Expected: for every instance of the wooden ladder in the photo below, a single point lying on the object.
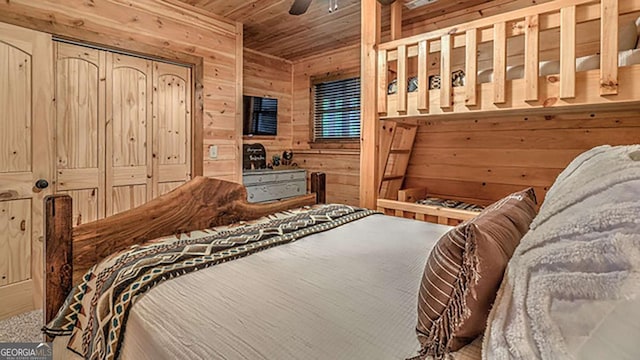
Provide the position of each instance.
(396, 143)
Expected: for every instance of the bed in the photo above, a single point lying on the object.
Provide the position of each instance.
(416, 203)
(578, 54)
(346, 293)
(347, 285)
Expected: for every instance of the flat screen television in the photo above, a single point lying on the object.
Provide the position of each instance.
(260, 116)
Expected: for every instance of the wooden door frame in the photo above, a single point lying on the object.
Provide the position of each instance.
(144, 50)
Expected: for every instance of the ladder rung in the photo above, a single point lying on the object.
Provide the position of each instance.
(400, 151)
(394, 177)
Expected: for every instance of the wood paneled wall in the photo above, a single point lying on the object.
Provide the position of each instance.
(167, 29)
(342, 166)
(482, 160)
(269, 76)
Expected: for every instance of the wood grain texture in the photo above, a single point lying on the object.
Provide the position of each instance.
(531, 55)
(318, 187)
(15, 241)
(586, 98)
(58, 252)
(609, 47)
(402, 79)
(86, 206)
(26, 155)
(369, 127)
(199, 204)
(339, 161)
(423, 78)
(499, 63)
(480, 160)
(341, 169)
(15, 98)
(171, 132)
(445, 72)
(168, 30)
(568, 52)
(271, 77)
(270, 29)
(471, 68)
(383, 82)
(434, 214)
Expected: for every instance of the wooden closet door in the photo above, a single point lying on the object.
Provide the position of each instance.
(171, 126)
(26, 156)
(129, 168)
(80, 129)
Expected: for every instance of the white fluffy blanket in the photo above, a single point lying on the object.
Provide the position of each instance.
(571, 290)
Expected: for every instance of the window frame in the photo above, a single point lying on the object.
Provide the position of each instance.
(348, 143)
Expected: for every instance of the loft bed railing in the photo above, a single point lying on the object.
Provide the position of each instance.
(443, 51)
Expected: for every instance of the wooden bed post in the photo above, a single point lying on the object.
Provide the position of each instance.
(318, 186)
(58, 218)
(370, 36)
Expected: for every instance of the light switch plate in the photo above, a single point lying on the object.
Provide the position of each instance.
(213, 151)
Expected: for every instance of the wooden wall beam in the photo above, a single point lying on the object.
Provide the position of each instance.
(239, 92)
(568, 52)
(369, 127)
(396, 20)
(609, 47)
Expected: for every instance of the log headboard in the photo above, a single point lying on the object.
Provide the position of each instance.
(199, 204)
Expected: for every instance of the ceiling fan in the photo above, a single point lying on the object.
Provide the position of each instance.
(299, 7)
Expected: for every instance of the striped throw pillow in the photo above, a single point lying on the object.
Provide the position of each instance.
(464, 271)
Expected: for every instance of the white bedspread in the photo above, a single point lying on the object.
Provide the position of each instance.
(348, 293)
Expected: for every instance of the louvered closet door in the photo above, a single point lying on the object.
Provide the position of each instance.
(26, 155)
(129, 169)
(80, 129)
(172, 126)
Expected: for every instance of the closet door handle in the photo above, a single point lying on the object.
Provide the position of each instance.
(42, 184)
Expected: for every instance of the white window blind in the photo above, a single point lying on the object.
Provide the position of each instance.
(336, 110)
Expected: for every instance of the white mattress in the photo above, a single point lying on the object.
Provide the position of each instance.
(348, 293)
(585, 63)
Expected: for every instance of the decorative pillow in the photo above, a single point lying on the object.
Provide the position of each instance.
(572, 287)
(464, 271)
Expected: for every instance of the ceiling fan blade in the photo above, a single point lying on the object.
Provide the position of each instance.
(299, 7)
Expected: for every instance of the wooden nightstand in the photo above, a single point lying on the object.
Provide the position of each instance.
(270, 185)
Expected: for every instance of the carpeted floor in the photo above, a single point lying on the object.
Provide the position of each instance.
(22, 328)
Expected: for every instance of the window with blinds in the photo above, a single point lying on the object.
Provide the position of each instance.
(336, 110)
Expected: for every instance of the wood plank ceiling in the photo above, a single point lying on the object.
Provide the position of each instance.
(270, 29)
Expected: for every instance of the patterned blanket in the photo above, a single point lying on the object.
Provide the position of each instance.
(96, 311)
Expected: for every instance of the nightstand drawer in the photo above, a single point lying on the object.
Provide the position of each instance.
(261, 177)
(276, 191)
